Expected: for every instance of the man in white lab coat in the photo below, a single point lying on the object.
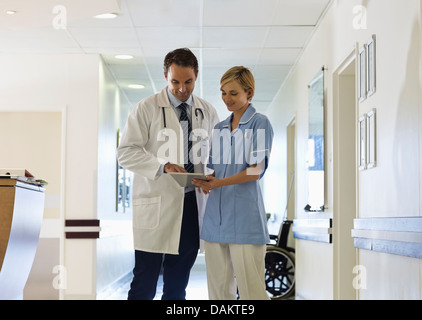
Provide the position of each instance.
(159, 132)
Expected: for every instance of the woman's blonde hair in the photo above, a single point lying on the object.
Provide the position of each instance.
(242, 75)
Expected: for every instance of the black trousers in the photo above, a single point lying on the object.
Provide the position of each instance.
(176, 268)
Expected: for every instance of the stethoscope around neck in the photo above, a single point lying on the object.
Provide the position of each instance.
(197, 110)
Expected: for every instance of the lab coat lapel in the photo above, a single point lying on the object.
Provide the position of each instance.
(173, 125)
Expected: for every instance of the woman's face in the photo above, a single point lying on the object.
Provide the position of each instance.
(235, 97)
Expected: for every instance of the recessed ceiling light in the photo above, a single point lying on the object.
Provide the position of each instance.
(136, 86)
(10, 12)
(106, 16)
(123, 56)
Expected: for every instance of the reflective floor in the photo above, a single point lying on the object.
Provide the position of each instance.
(196, 290)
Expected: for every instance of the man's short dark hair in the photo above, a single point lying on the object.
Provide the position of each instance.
(182, 57)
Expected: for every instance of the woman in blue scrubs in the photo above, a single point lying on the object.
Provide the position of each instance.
(235, 230)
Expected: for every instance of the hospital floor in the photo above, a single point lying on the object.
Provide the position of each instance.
(196, 290)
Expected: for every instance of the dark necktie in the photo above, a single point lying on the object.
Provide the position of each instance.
(187, 128)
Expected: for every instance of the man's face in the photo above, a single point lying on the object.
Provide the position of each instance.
(181, 81)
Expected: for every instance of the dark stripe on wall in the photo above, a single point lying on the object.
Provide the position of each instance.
(82, 223)
(82, 229)
(82, 235)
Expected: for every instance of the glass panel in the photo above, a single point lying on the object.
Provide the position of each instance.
(315, 160)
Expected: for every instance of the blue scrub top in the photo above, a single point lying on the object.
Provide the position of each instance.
(236, 213)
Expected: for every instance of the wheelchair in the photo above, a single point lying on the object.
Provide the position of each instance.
(280, 265)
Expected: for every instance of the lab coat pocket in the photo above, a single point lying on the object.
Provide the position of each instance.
(146, 212)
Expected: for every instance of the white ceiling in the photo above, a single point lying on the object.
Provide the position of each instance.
(267, 36)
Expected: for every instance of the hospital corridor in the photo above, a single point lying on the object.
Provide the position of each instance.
(274, 144)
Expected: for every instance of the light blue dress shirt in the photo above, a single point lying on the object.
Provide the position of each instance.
(175, 104)
(236, 213)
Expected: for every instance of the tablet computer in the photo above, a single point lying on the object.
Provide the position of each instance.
(184, 179)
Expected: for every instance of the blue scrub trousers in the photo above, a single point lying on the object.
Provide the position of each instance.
(176, 268)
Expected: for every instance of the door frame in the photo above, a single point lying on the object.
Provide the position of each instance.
(291, 169)
(345, 193)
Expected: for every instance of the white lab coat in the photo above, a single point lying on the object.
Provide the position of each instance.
(145, 144)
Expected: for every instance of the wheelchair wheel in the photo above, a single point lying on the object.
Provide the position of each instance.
(279, 273)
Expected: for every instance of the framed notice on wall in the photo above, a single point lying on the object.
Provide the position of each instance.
(371, 139)
(362, 142)
(371, 66)
(362, 74)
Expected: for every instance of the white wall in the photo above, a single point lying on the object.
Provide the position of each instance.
(69, 84)
(77, 86)
(391, 189)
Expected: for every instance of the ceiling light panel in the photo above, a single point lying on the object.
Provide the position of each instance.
(123, 57)
(106, 16)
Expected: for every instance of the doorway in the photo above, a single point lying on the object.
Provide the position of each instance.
(344, 177)
(33, 140)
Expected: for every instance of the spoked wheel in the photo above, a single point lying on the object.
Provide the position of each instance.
(279, 273)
